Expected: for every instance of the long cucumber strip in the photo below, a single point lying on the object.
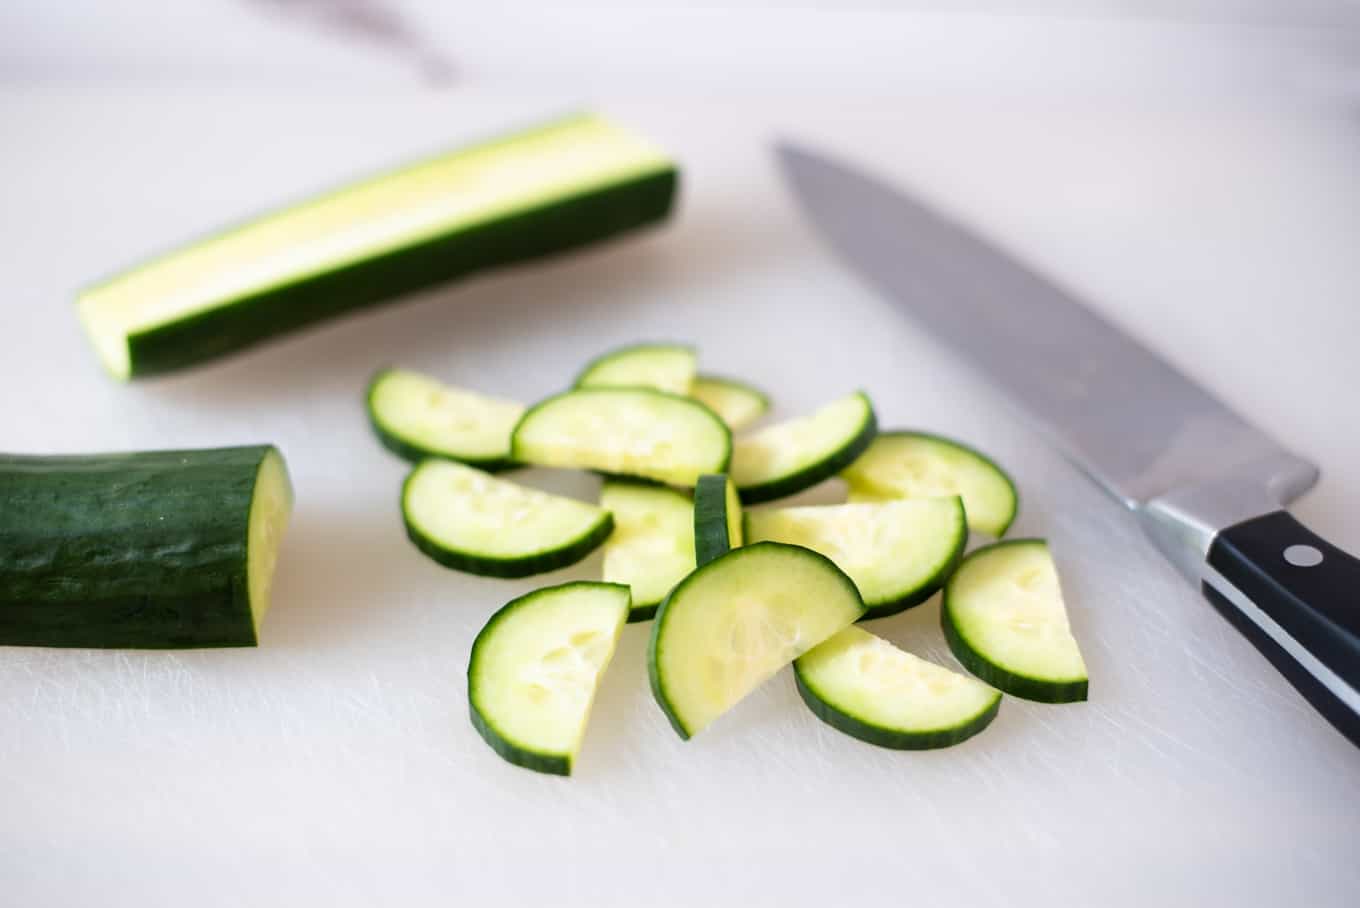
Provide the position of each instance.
(1004, 618)
(652, 547)
(148, 550)
(416, 417)
(917, 465)
(717, 518)
(791, 456)
(737, 403)
(539, 191)
(663, 367)
(733, 623)
(535, 667)
(866, 687)
(898, 552)
(467, 520)
(626, 431)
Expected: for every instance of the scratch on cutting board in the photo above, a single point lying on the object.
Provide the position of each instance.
(374, 23)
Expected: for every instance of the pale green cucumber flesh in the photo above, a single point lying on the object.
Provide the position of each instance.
(652, 546)
(416, 417)
(662, 367)
(736, 403)
(788, 457)
(535, 667)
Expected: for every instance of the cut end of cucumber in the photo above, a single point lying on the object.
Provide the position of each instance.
(736, 403)
(107, 336)
(662, 367)
(468, 520)
(917, 465)
(791, 456)
(652, 546)
(270, 506)
(535, 667)
(897, 552)
(1005, 620)
(416, 417)
(734, 622)
(718, 524)
(625, 431)
(866, 687)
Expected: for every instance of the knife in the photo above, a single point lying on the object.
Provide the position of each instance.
(1208, 488)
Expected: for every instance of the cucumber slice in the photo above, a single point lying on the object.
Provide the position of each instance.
(866, 687)
(467, 520)
(736, 403)
(626, 431)
(917, 465)
(734, 622)
(898, 552)
(1004, 618)
(791, 456)
(416, 417)
(517, 198)
(652, 547)
(662, 367)
(717, 518)
(535, 667)
(145, 550)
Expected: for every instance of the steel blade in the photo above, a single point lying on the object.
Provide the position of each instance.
(1128, 418)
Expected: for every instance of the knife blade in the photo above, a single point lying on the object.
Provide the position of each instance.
(1207, 486)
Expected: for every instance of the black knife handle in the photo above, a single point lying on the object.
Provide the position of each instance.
(1296, 597)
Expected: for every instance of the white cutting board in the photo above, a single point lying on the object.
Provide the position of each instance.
(336, 765)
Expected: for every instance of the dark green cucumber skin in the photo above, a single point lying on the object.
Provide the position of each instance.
(1027, 688)
(507, 568)
(953, 442)
(619, 351)
(815, 473)
(710, 518)
(893, 738)
(140, 550)
(414, 453)
(552, 764)
(645, 612)
(531, 234)
(653, 647)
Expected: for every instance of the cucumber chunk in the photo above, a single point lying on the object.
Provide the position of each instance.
(1004, 618)
(662, 367)
(626, 431)
(737, 403)
(717, 518)
(416, 417)
(917, 465)
(897, 552)
(467, 520)
(791, 456)
(652, 546)
(516, 198)
(866, 687)
(734, 622)
(535, 667)
(140, 550)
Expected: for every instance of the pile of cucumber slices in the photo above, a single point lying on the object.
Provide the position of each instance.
(735, 595)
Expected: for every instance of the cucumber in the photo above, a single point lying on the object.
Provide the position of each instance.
(535, 667)
(898, 552)
(917, 465)
(866, 687)
(736, 403)
(652, 547)
(737, 620)
(468, 520)
(717, 518)
(149, 550)
(625, 431)
(663, 367)
(416, 417)
(540, 191)
(791, 456)
(1004, 618)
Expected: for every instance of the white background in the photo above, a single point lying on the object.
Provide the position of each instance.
(1191, 169)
